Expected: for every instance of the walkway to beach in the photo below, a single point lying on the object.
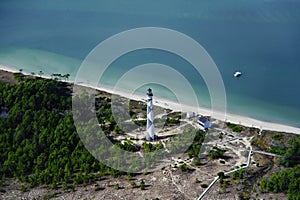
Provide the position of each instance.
(231, 171)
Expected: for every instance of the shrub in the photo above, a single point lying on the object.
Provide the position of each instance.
(217, 153)
(133, 185)
(142, 184)
(116, 186)
(234, 127)
(183, 167)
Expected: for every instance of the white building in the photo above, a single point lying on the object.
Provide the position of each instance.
(203, 123)
(190, 115)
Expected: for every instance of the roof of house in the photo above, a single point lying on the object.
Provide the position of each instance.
(203, 119)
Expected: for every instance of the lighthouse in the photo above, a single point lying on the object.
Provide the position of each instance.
(150, 134)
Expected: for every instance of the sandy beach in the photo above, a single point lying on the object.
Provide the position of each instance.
(175, 106)
(228, 117)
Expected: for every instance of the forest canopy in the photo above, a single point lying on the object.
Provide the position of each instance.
(38, 140)
(39, 143)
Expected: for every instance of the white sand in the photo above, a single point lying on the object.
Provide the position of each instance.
(228, 117)
(9, 69)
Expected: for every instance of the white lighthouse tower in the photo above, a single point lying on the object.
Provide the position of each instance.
(150, 135)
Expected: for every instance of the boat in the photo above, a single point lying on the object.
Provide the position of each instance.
(237, 74)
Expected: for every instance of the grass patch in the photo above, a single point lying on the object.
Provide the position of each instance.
(234, 127)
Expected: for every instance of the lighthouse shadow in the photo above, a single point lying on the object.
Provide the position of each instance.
(161, 137)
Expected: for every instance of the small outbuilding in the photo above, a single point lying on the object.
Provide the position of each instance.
(190, 115)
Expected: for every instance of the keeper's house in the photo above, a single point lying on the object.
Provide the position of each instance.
(203, 123)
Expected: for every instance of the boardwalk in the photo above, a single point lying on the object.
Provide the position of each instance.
(234, 137)
(226, 173)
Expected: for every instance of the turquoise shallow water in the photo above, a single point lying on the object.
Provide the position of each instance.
(260, 38)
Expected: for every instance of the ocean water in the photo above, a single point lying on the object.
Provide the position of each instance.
(259, 37)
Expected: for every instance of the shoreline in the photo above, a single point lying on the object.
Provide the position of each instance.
(175, 106)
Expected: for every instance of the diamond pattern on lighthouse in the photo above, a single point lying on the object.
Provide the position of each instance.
(150, 134)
